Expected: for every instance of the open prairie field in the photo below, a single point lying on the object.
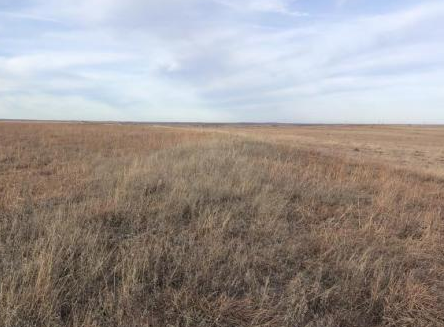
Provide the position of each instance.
(419, 148)
(143, 225)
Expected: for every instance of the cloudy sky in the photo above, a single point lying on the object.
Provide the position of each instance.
(327, 61)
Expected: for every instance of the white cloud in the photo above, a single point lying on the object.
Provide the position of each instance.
(342, 2)
(44, 106)
(200, 60)
(270, 6)
(27, 17)
(47, 62)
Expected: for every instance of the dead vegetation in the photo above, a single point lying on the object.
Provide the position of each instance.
(418, 148)
(149, 226)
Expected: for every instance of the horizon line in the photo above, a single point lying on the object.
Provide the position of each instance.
(130, 122)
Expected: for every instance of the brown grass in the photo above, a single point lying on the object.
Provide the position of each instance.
(108, 225)
(417, 148)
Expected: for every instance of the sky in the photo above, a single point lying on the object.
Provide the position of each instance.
(290, 61)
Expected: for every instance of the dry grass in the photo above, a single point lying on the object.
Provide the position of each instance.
(149, 226)
(417, 148)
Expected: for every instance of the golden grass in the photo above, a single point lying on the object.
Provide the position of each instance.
(417, 148)
(109, 225)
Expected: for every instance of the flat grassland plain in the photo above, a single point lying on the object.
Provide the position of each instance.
(142, 225)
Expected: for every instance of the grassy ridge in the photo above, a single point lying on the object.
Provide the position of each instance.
(137, 226)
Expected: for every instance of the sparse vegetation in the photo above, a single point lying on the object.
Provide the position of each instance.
(111, 225)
